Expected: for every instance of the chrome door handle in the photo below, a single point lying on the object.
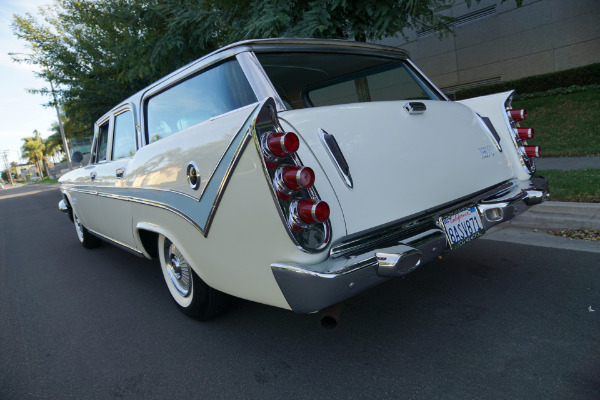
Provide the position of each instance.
(120, 172)
(93, 175)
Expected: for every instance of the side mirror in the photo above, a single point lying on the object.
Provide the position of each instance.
(77, 157)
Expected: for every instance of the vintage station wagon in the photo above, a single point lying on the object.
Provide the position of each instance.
(298, 173)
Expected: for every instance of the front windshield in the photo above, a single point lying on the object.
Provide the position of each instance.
(320, 79)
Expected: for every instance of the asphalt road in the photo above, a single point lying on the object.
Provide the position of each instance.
(493, 320)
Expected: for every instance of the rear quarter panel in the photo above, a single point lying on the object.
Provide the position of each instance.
(235, 251)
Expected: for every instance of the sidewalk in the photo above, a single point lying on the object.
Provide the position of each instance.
(530, 227)
(560, 215)
(557, 214)
(567, 163)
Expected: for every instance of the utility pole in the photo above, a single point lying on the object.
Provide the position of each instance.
(60, 125)
(8, 171)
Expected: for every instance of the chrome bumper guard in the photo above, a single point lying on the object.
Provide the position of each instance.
(361, 262)
(62, 206)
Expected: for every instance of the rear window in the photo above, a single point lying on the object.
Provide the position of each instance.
(213, 92)
(313, 80)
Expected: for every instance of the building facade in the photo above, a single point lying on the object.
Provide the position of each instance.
(495, 41)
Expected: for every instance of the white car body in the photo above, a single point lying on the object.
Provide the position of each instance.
(393, 171)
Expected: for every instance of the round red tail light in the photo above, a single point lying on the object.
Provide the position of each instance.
(533, 151)
(518, 115)
(280, 144)
(312, 211)
(297, 178)
(525, 133)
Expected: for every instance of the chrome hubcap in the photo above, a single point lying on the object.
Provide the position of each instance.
(178, 269)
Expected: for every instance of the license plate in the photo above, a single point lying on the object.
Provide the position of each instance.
(462, 226)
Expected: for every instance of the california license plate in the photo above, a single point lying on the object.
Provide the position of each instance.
(462, 226)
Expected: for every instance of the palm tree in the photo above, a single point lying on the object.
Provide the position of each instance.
(33, 149)
(53, 146)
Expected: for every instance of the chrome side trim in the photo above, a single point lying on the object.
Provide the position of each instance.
(147, 202)
(116, 243)
(336, 155)
(62, 206)
(231, 143)
(223, 184)
(185, 206)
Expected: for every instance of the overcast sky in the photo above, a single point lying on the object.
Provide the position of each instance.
(20, 112)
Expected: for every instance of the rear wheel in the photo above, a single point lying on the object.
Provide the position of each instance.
(191, 294)
(86, 239)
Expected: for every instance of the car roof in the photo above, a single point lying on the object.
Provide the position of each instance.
(279, 45)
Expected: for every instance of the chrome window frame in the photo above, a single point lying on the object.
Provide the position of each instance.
(258, 78)
(179, 76)
(121, 109)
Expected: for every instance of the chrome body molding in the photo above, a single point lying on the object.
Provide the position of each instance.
(494, 138)
(193, 175)
(112, 241)
(368, 259)
(62, 206)
(415, 107)
(198, 212)
(528, 164)
(337, 157)
(267, 121)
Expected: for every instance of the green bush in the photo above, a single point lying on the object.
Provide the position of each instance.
(581, 76)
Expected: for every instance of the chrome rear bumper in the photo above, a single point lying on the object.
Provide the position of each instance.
(366, 260)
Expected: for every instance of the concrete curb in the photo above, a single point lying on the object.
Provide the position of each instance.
(568, 163)
(560, 215)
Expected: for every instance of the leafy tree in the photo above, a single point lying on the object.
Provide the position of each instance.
(99, 52)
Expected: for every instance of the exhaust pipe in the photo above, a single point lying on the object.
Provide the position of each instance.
(331, 315)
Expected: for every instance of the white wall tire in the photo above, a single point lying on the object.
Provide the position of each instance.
(191, 294)
(86, 239)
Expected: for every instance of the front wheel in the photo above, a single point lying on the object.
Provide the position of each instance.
(86, 239)
(191, 294)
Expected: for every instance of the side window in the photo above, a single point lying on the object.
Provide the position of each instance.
(102, 144)
(213, 92)
(123, 136)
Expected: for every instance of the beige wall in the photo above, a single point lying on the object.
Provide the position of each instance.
(539, 37)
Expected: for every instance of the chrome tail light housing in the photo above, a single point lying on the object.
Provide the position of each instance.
(292, 184)
(519, 135)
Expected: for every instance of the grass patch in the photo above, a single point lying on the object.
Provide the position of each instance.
(581, 185)
(45, 180)
(566, 125)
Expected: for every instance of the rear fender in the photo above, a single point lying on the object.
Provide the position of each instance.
(494, 107)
